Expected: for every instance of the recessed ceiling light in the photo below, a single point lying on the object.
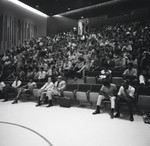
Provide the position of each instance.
(28, 7)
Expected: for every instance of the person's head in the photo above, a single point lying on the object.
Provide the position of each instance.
(17, 78)
(106, 66)
(125, 84)
(59, 78)
(49, 79)
(106, 83)
(30, 79)
(130, 66)
(41, 68)
(80, 59)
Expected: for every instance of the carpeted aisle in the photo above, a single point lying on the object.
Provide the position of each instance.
(73, 126)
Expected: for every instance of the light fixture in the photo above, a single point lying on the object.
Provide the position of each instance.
(28, 7)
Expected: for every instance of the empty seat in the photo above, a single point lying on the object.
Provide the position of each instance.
(36, 93)
(81, 93)
(144, 103)
(117, 80)
(117, 73)
(93, 93)
(90, 80)
(70, 90)
(144, 98)
(92, 73)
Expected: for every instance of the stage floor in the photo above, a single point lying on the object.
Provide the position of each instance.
(23, 124)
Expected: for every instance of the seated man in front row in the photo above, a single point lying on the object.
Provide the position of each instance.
(43, 90)
(125, 94)
(59, 86)
(107, 91)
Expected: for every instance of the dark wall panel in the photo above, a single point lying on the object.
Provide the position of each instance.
(18, 24)
(60, 24)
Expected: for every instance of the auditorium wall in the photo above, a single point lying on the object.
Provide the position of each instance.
(124, 17)
(62, 24)
(57, 24)
(17, 24)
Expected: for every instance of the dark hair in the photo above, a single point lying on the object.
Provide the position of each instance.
(126, 81)
(105, 82)
(1, 79)
(131, 64)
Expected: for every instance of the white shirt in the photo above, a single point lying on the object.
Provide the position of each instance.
(130, 91)
(47, 86)
(2, 85)
(16, 85)
(42, 74)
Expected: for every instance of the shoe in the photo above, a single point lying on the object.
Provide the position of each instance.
(111, 115)
(96, 112)
(39, 104)
(50, 103)
(14, 102)
(5, 100)
(131, 118)
(117, 115)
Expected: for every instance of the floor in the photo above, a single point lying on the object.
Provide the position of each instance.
(23, 124)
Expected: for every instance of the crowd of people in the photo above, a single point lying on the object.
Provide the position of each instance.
(122, 47)
(71, 55)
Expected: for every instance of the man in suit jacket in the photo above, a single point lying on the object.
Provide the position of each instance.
(59, 86)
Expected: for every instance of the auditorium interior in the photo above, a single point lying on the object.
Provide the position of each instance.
(61, 60)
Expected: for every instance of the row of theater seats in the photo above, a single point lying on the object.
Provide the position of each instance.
(92, 77)
(89, 93)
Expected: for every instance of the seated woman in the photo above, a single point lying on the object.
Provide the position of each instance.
(30, 73)
(35, 74)
(86, 67)
(105, 74)
(67, 68)
(78, 67)
(42, 74)
(28, 88)
(44, 89)
(120, 62)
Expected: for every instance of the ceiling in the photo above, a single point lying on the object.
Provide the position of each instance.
(53, 7)
(90, 8)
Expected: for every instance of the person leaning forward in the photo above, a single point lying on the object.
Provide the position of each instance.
(126, 95)
(107, 91)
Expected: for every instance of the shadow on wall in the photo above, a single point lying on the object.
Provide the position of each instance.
(59, 23)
